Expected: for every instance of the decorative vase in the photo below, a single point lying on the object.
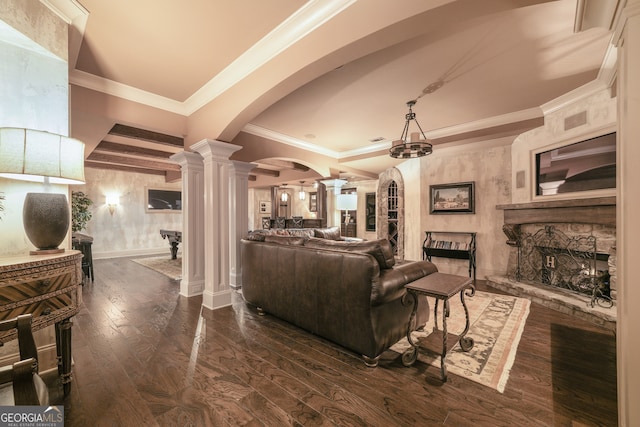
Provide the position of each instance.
(46, 220)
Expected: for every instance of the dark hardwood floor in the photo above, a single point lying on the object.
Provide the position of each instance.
(143, 355)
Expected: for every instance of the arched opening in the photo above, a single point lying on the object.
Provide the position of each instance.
(390, 222)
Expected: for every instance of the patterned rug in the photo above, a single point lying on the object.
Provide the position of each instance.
(171, 268)
(497, 322)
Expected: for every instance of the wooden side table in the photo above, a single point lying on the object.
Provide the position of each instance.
(48, 287)
(440, 286)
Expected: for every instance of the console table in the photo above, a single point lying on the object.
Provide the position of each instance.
(440, 286)
(48, 287)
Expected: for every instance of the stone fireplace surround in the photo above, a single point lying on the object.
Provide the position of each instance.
(595, 216)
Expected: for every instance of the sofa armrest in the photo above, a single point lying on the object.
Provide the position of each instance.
(390, 284)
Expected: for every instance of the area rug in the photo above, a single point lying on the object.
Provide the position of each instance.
(496, 325)
(163, 264)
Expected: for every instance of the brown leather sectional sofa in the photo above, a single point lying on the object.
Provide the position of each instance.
(347, 292)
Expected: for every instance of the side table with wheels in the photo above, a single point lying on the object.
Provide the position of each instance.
(440, 286)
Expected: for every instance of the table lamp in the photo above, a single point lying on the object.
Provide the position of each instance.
(347, 202)
(33, 155)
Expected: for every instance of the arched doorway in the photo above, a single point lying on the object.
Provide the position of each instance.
(390, 222)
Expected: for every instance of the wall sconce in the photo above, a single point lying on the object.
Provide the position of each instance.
(113, 200)
(301, 194)
(34, 155)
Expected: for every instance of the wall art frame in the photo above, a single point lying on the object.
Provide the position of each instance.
(455, 198)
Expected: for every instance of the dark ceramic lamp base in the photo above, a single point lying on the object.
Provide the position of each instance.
(46, 221)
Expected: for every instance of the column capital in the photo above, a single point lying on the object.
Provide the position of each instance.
(333, 183)
(185, 158)
(219, 150)
(243, 167)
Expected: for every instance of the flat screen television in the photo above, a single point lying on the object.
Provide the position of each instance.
(582, 166)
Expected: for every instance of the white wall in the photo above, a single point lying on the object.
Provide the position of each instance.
(131, 230)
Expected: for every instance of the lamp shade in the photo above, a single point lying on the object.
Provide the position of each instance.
(347, 202)
(32, 155)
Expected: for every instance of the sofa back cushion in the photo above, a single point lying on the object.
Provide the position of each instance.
(380, 249)
(331, 233)
(286, 240)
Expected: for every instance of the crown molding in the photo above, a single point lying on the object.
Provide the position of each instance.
(488, 123)
(289, 140)
(609, 68)
(305, 20)
(491, 122)
(76, 16)
(582, 92)
(110, 87)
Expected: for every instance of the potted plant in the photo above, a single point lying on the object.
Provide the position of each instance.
(80, 214)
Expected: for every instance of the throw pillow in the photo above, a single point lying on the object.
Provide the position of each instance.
(331, 233)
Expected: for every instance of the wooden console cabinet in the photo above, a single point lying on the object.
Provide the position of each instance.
(47, 286)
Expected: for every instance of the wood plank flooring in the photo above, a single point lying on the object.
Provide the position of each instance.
(144, 356)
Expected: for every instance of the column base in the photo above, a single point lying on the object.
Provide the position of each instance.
(191, 288)
(213, 301)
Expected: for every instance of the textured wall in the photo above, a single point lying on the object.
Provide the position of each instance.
(600, 119)
(488, 164)
(131, 230)
(33, 94)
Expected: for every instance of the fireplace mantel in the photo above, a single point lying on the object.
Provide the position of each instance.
(601, 210)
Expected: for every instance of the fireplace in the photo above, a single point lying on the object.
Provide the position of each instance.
(562, 255)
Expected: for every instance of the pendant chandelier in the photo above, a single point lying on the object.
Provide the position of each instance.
(415, 147)
(301, 194)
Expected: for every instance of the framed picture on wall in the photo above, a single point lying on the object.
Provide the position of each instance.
(313, 202)
(163, 200)
(370, 203)
(265, 207)
(452, 198)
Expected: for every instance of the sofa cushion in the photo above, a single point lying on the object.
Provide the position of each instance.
(286, 240)
(302, 232)
(379, 249)
(330, 233)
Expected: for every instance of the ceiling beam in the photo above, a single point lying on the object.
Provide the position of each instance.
(131, 161)
(114, 147)
(111, 166)
(268, 172)
(146, 135)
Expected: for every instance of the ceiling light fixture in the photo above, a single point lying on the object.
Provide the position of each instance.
(302, 195)
(284, 196)
(415, 147)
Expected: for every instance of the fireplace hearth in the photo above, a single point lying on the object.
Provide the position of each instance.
(551, 257)
(562, 255)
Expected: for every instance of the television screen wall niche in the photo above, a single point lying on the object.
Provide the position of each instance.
(582, 166)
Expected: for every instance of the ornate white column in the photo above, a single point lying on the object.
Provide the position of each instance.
(334, 187)
(192, 168)
(239, 217)
(627, 39)
(216, 221)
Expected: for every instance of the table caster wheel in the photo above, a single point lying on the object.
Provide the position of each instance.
(409, 356)
(466, 343)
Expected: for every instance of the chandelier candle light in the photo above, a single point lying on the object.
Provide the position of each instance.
(415, 147)
(34, 155)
